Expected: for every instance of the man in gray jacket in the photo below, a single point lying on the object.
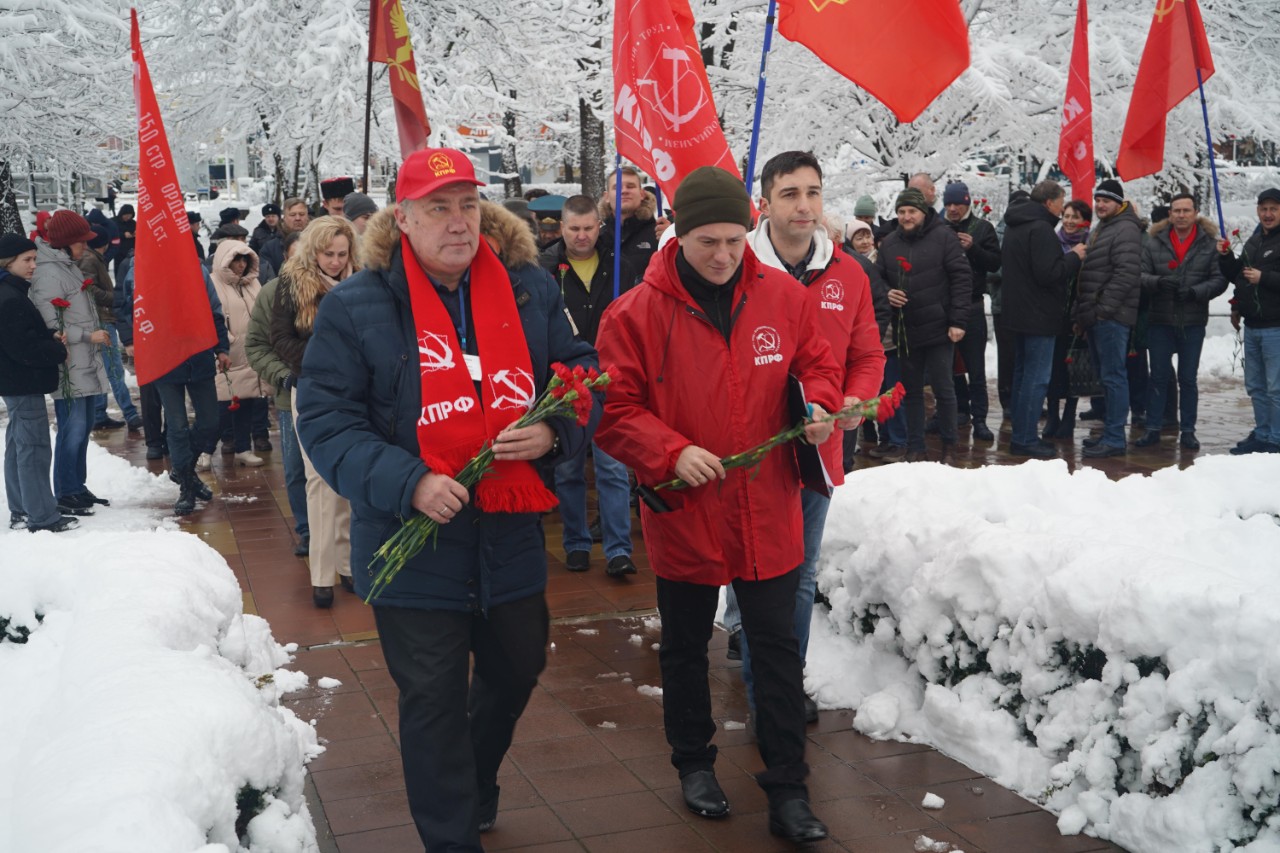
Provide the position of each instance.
(1107, 295)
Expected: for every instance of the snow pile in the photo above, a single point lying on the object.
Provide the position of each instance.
(1104, 648)
(140, 706)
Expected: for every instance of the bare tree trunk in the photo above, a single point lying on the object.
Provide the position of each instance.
(297, 172)
(512, 187)
(10, 218)
(590, 150)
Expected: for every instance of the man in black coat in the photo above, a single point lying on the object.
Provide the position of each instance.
(266, 230)
(982, 248)
(1035, 290)
(639, 229)
(929, 282)
(581, 262)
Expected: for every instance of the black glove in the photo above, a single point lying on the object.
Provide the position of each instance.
(290, 383)
(1185, 293)
(1169, 285)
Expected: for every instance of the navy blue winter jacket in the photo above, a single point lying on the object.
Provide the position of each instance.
(359, 400)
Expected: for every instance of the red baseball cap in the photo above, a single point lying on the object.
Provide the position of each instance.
(428, 170)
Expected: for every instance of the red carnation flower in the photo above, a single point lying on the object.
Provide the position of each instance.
(904, 263)
(235, 403)
(592, 374)
(88, 283)
(1173, 265)
(1235, 233)
(579, 373)
(559, 391)
(1069, 360)
(986, 208)
(59, 302)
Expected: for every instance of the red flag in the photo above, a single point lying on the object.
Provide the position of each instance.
(389, 43)
(171, 316)
(905, 52)
(664, 115)
(1176, 47)
(1075, 148)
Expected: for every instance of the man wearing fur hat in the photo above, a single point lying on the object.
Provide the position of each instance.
(268, 228)
(440, 316)
(333, 193)
(1107, 293)
(1180, 275)
(700, 355)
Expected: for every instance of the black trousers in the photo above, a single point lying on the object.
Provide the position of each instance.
(768, 612)
(152, 415)
(1005, 347)
(932, 365)
(971, 388)
(452, 739)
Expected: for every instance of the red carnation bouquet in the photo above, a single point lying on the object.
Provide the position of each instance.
(880, 408)
(60, 306)
(568, 394)
(904, 268)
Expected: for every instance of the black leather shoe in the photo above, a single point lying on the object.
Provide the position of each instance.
(303, 548)
(199, 489)
(347, 583)
(155, 452)
(620, 566)
(795, 821)
(86, 496)
(735, 646)
(489, 809)
(261, 444)
(108, 423)
(703, 796)
(577, 561)
(1092, 442)
(1149, 438)
(982, 432)
(322, 596)
(1189, 440)
(1102, 451)
(810, 711)
(1090, 415)
(1039, 450)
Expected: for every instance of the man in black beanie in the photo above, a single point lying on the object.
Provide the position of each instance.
(699, 357)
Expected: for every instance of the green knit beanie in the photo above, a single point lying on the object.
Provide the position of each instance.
(865, 206)
(911, 197)
(710, 194)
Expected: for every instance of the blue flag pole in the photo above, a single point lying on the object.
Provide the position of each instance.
(1213, 166)
(764, 70)
(617, 222)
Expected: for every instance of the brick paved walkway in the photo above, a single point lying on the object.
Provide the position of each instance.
(589, 768)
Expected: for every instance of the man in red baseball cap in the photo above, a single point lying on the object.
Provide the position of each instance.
(430, 352)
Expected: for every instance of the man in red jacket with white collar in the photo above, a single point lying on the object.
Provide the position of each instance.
(699, 356)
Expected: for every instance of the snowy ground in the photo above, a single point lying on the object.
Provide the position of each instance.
(141, 705)
(1105, 648)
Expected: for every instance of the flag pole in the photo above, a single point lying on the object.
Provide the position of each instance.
(1213, 166)
(764, 68)
(368, 94)
(617, 222)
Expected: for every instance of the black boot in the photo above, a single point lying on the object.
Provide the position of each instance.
(1068, 428)
(186, 503)
(1052, 423)
(198, 487)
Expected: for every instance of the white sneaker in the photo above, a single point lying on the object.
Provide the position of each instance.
(249, 459)
(204, 462)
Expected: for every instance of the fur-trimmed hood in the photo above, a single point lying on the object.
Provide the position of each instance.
(507, 233)
(645, 212)
(1203, 224)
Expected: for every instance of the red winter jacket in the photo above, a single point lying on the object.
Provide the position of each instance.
(677, 382)
(841, 293)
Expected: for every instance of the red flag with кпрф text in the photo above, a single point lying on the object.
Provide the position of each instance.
(389, 43)
(1177, 47)
(663, 113)
(172, 319)
(1075, 147)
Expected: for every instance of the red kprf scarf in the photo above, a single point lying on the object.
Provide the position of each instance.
(453, 426)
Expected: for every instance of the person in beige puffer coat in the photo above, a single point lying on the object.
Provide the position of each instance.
(240, 392)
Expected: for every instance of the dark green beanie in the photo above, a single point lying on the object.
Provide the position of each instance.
(710, 194)
(911, 197)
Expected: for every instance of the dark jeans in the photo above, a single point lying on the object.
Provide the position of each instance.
(71, 449)
(452, 739)
(1164, 342)
(768, 617)
(295, 473)
(894, 430)
(238, 425)
(27, 455)
(187, 441)
(1032, 365)
(971, 388)
(152, 415)
(1109, 344)
(936, 363)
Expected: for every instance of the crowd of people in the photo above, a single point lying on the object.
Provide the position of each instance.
(705, 318)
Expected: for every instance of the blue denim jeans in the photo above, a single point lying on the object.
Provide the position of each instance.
(814, 506)
(71, 450)
(186, 441)
(115, 374)
(27, 455)
(295, 474)
(894, 430)
(1163, 343)
(1109, 344)
(1262, 380)
(613, 497)
(1032, 368)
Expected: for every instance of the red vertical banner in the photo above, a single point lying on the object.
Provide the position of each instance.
(172, 320)
(1075, 148)
(664, 116)
(1177, 47)
(389, 43)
